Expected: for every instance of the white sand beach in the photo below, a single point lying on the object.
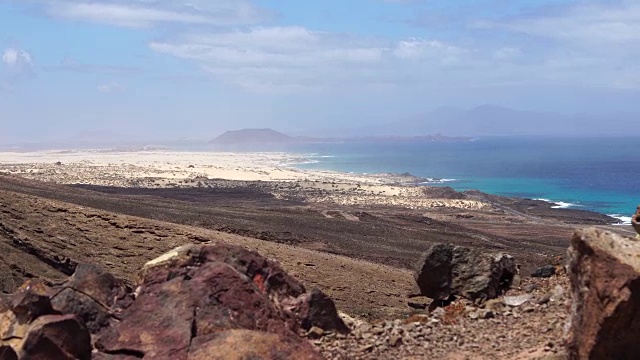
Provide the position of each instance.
(156, 169)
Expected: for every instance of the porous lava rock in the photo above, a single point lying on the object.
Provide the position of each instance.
(195, 302)
(31, 329)
(93, 294)
(604, 269)
(446, 270)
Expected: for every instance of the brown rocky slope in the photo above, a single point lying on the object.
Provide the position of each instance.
(46, 238)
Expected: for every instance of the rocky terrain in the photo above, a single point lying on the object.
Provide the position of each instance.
(225, 302)
(196, 302)
(361, 252)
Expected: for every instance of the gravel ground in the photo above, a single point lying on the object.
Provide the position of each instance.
(463, 330)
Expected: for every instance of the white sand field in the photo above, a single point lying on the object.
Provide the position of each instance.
(185, 169)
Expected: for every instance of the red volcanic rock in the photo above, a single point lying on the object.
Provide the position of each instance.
(97, 284)
(203, 291)
(30, 301)
(57, 337)
(195, 302)
(93, 295)
(7, 353)
(604, 270)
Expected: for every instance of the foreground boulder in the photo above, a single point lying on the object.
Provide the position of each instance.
(31, 329)
(445, 270)
(195, 302)
(604, 270)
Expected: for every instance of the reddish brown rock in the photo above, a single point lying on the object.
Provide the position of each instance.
(93, 295)
(7, 353)
(194, 302)
(57, 337)
(206, 290)
(97, 284)
(92, 313)
(247, 344)
(604, 270)
(30, 301)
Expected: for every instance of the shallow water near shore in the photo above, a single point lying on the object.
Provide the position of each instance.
(597, 174)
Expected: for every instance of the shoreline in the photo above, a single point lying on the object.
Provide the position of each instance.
(173, 168)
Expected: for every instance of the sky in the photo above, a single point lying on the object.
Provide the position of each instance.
(194, 68)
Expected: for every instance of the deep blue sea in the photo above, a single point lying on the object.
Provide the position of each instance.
(598, 174)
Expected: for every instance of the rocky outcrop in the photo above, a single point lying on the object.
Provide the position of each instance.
(195, 302)
(604, 270)
(445, 270)
(635, 220)
(30, 328)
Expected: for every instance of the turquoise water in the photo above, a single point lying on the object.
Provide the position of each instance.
(598, 174)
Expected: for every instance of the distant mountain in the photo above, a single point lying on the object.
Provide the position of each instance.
(268, 139)
(488, 120)
(252, 137)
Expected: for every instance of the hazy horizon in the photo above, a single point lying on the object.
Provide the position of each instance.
(194, 69)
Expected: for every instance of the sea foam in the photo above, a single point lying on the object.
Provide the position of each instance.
(560, 204)
(437, 181)
(626, 220)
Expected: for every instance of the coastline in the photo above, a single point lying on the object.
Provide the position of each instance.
(171, 169)
(185, 169)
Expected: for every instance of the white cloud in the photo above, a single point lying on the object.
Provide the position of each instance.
(278, 57)
(593, 44)
(274, 46)
(112, 87)
(16, 58)
(423, 49)
(601, 23)
(18, 67)
(149, 13)
(561, 46)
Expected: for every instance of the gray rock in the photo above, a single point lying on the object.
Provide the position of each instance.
(515, 301)
(445, 270)
(544, 272)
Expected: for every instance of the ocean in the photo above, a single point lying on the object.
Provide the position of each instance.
(597, 174)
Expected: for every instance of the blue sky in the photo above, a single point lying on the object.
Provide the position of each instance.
(194, 68)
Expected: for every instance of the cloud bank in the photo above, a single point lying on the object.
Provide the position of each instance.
(234, 42)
